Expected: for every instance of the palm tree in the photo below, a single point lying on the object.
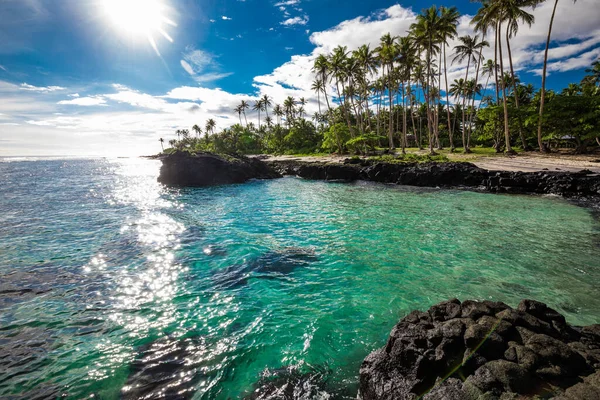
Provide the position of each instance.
(267, 102)
(322, 68)
(594, 73)
(317, 87)
(258, 106)
(289, 105)
(470, 49)
(161, 140)
(448, 31)
(209, 128)
(543, 89)
(197, 129)
(337, 64)
(492, 14)
(387, 53)
(244, 106)
(514, 15)
(426, 35)
(238, 109)
(278, 111)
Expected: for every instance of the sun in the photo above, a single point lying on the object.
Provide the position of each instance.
(139, 18)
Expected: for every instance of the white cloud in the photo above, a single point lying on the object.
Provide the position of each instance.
(296, 21)
(84, 101)
(47, 89)
(3, 68)
(226, 18)
(287, 3)
(202, 66)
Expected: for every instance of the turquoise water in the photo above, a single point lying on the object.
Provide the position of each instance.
(109, 280)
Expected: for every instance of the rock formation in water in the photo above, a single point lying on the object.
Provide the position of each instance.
(448, 174)
(484, 350)
(205, 169)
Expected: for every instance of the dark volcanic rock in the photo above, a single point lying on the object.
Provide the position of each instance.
(450, 174)
(484, 350)
(205, 169)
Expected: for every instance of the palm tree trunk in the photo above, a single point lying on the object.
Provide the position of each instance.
(543, 149)
(428, 99)
(498, 143)
(509, 149)
(404, 123)
(464, 96)
(391, 119)
(512, 74)
(450, 132)
(473, 113)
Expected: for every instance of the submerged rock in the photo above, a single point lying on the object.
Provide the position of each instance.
(270, 265)
(477, 350)
(205, 169)
(291, 384)
(164, 369)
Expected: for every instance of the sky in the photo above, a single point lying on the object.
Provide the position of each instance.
(111, 77)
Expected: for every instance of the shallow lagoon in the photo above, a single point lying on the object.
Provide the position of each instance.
(105, 273)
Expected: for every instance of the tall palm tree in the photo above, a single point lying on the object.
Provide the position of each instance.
(469, 49)
(448, 31)
(238, 109)
(258, 106)
(289, 107)
(543, 89)
(387, 53)
(515, 15)
(267, 102)
(209, 128)
(197, 129)
(425, 32)
(317, 87)
(278, 111)
(322, 68)
(244, 106)
(161, 140)
(491, 16)
(337, 64)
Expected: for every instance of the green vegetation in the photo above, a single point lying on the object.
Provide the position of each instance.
(395, 96)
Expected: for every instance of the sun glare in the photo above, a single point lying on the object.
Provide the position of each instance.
(139, 18)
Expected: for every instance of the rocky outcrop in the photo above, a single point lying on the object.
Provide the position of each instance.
(205, 169)
(449, 174)
(484, 350)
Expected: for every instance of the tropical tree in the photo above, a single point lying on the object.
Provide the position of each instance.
(267, 102)
(278, 111)
(387, 53)
(258, 106)
(209, 128)
(469, 49)
(244, 106)
(322, 68)
(515, 15)
(161, 140)
(543, 148)
(197, 129)
(447, 31)
(425, 32)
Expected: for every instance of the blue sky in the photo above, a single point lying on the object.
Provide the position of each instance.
(74, 80)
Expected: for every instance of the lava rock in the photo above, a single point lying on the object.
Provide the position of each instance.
(474, 350)
(206, 169)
